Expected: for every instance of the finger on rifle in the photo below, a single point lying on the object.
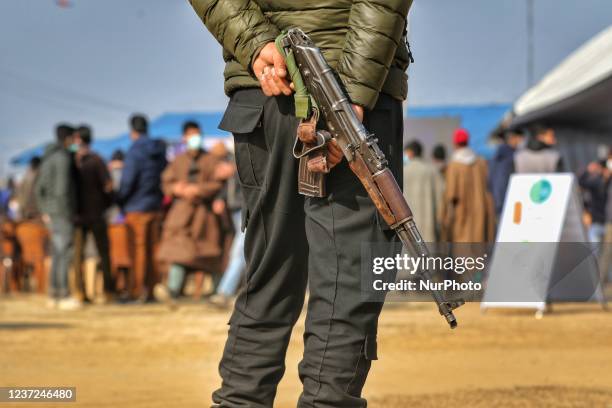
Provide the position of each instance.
(271, 81)
(335, 151)
(282, 84)
(263, 80)
(258, 70)
(335, 154)
(279, 65)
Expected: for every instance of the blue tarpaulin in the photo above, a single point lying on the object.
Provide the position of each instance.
(168, 126)
(478, 120)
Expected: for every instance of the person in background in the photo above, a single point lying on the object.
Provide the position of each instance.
(140, 198)
(95, 195)
(224, 171)
(56, 195)
(192, 235)
(232, 199)
(468, 207)
(502, 165)
(605, 257)
(115, 168)
(438, 158)
(423, 189)
(7, 200)
(26, 196)
(540, 154)
(594, 181)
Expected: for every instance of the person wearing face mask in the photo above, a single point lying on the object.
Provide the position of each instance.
(56, 195)
(192, 236)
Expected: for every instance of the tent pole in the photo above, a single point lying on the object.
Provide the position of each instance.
(530, 43)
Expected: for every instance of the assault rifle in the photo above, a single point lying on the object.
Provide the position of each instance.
(319, 92)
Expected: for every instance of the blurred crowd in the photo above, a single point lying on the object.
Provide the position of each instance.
(460, 198)
(146, 229)
(139, 228)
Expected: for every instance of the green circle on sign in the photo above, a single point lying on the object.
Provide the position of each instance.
(540, 191)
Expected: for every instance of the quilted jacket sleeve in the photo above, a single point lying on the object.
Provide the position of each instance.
(374, 33)
(238, 25)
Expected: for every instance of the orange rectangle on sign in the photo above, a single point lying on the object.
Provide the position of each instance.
(518, 212)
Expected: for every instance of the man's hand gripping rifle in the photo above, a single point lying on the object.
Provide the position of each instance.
(318, 92)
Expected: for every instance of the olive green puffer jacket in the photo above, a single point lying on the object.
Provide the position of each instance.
(363, 40)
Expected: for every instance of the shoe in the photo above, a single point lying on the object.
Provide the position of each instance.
(52, 303)
(81, 297)
(123, 298)
(221, 301)
(162, 294)
(105, 299)
(69, 304)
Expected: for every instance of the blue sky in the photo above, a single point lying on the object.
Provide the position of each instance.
(475, 51)
(99, 60)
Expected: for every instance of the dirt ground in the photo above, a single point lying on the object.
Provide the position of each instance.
(147, 356)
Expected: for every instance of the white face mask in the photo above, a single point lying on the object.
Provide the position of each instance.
(194, 142)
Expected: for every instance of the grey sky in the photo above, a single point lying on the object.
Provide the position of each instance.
(101, 59)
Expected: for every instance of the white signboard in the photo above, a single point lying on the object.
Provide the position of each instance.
(541, 252)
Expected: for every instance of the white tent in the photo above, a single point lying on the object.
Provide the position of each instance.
(578, 92)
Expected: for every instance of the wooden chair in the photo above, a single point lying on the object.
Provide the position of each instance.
(120, 240)
(10, 260)
(33, 238)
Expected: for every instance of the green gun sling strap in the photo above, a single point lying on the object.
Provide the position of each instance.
(303, 102)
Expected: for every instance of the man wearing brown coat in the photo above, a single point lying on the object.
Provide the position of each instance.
(192, 236)
(468, 206)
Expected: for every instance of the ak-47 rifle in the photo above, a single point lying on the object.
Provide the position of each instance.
(318, 91)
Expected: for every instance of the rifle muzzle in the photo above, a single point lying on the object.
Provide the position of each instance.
(446, 310)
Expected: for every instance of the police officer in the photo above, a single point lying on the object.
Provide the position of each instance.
(292, 241)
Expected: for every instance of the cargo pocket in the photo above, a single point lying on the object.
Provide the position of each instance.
(367, 354)
(244, 121)
(251, 151)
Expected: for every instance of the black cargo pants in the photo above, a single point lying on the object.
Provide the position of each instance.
(292, 241)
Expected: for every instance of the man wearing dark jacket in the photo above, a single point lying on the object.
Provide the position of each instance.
(502, 166)
(606, 246)
(291, 240)
(56, 195)
(594, 182)
(95, 188)
(140, 197)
